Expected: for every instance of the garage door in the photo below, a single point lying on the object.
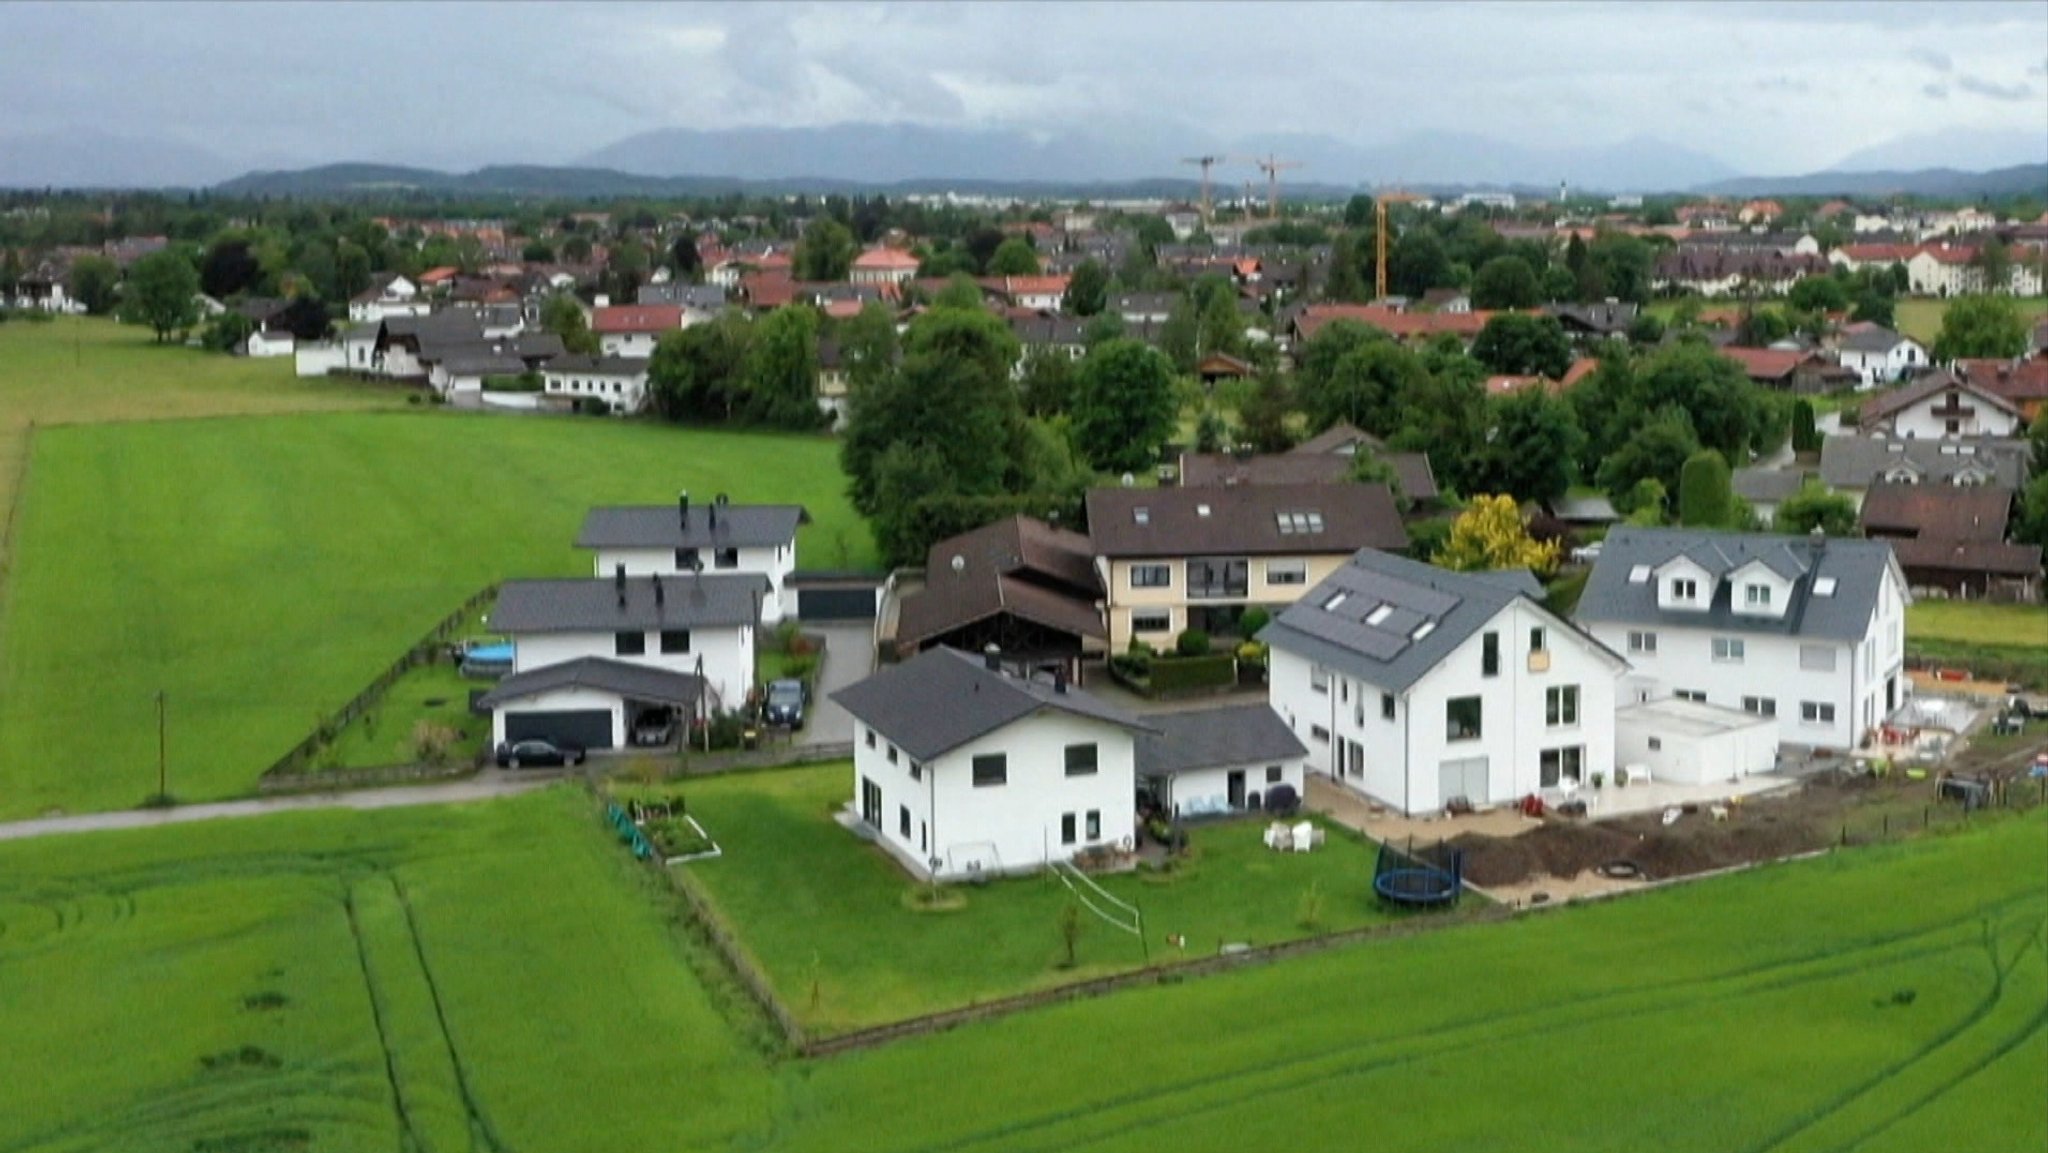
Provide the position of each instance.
(585, 728)
(1465, 778)
(854, 604)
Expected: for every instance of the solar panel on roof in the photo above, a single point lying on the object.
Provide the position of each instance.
(1359, 638)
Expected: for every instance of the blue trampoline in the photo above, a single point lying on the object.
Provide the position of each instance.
(1419, 880)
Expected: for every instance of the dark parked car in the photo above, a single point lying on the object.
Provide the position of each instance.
(654, 730)
(783, 704)
(536, 754)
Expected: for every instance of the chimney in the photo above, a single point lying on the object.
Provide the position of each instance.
(656, 578)
(619, 583)
(683, 509)
(1059, 680)
(992, 658)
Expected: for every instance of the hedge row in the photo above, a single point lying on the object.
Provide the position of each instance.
(1176, 674)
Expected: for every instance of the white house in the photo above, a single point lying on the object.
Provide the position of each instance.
(1943, 406)
(389, 294)
(879, 265)
(1880, 356)
(619, 381)
(1939, 270)
(632, 330)
(269, 342)
(1810, 631)
(1417, 686)
(718, 537)
(1852, 464)
(590, 658)
(1220, 760)
(960, 769)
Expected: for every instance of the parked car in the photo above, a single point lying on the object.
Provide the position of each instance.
(535, 754)
(654, 730)
(783, 704)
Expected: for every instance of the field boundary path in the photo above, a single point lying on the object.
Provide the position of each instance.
(484, 787)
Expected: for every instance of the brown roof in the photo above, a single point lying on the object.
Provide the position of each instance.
(2020, 381)
(636, 318)
(1199, 470)
(1263, 520)
(1970, 557)
(1021, 566)
(1765, 363)
(1399, 325)
(1341, 437)
(1937, 511)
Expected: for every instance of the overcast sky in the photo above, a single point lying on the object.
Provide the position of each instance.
(1765, 87)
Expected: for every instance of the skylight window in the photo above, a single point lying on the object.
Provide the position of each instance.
(1379, 615)
(1201, 510)
(1422, 630)
(1639, 575)
(1330, 606)
(1824, 587)
(1142, 515)
(1315, 522)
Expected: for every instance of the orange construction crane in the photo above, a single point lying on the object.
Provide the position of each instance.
(1207, 162)
(1272, 166)
(1379, 221)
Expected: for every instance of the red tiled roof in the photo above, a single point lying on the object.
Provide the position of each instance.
(1400, 325)
(767, 289)
(1938, 511)
(1581, 368)
(1879, 253)
(439, 275)
(1032, 285)
(626, 318)
(1949, 255)
(885, 259)
(2021, 382)
(1764, 363)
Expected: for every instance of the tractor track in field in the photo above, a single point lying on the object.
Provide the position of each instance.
(1832, 963)
(411, 1141)
(2001, 969)
(480, 1125)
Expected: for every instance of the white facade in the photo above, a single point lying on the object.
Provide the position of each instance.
(564, 700)
(1824, 693)
(1036, 815)
(263, 345)
(1681, 742)
(318, 358)
(626, 392)
(1543, 716)
(774, 563)
(1928, 275)
(1954, 412)
(1887, 366)
(401, 297)
(726, 653)
(639, 345)
(1209, 790)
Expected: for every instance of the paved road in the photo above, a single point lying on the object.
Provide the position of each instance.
(849, 657)
(484, 786)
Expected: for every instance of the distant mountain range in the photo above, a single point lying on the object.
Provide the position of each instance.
(1107, 162)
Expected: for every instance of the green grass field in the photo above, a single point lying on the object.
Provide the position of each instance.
(1920, 318)
(499, 977)
(436, 695)
(1978, 623)
(826, 917)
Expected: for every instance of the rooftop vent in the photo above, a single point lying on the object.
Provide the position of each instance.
(992, 658)
(1141, 515)
(683, 508)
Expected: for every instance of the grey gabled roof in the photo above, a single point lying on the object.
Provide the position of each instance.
(1767, 484)
(1873, 340)
(644, 604)
(701, 525)
(1216, 738)
(1395, 651)
(1856, 566)
(599, 365)
(639, 682)
(1858, 461)
(942, 698)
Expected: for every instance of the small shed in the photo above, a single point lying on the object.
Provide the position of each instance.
(1204, 762)
(1692, 743)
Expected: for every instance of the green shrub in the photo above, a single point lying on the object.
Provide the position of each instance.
(1192, 643)
(1251, 652)
(1254, 619)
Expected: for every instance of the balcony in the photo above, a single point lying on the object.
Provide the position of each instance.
(1217, 579)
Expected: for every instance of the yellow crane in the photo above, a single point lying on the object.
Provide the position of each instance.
(1272, 166)
(1207, 162)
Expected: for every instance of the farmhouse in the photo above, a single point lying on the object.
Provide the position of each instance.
(962, 769)
(1418, 686)
(634, 329)
(1020, 584)
(619, 382)
(1809, 630)
(1173, 559)
(719, 537)
(590, 658)
(1952, 539)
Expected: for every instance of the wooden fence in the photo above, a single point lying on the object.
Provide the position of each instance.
(299, 759)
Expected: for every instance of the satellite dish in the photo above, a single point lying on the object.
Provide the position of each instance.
(1130, 481)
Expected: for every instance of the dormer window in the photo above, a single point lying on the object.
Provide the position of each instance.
(1757, 596)
(1685, 589)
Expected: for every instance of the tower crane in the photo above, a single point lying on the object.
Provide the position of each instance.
(1207, 162)
(1272, 166)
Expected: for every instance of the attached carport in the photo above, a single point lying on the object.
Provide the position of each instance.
(591, 702)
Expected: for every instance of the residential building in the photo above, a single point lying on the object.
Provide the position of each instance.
(1878, 355)
(963, 770)
(1173, 559)
(1326, 458)
(269, 342)
(1608, 320)
(591, 657)
(1726, 272)
(634, 329)
(891, 266)
(389, 294)
(1953, 539)
(2021, 383)
(1144, 307)
(1789, 369)
(620, 382)
(1420, 687)
(716, 537)
(1764, 489)
(1020, 584)
(1202, 762)
(1852, 464)
(1809, 630)
(699, 302)
(1941, 406)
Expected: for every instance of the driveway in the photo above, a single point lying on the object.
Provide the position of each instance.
(849, 657)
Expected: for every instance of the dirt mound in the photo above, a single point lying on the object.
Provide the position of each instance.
(1696, 844)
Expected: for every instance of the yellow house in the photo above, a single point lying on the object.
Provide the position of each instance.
(1173, 559)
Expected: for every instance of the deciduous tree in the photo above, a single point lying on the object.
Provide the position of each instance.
(1518, 344)
(162, 293)
(1506, 282)
(1124, 406)
(1980, 326)
(1816, 506)
(1490, 534)
(1087, 289)
(1705, 497)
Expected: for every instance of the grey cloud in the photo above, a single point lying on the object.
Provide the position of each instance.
(1993, 91)
(1934, 91)
(1939, 61)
